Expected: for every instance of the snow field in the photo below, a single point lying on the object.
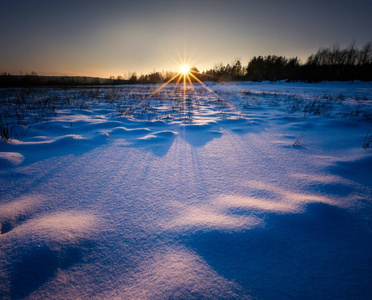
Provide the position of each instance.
(191, 198)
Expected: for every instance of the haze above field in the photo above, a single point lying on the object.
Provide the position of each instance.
(103, 38)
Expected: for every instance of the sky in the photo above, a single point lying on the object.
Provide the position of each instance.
(115, 37)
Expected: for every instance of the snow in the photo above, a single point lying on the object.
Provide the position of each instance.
(11, 157)
(210, 201)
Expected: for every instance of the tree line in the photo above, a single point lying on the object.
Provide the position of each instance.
(333, 63)
(327, 64)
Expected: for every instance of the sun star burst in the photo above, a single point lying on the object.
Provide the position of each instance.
(186, 76)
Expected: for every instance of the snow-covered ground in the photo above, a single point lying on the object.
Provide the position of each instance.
(262, 190)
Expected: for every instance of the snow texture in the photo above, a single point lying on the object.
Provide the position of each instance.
(266, 196)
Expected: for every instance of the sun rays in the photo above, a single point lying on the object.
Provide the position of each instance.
(186, 76)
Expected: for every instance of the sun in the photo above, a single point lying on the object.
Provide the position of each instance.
(185, 69)
(186, 76)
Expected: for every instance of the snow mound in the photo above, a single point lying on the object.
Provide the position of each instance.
(178, 274)
(11, 158)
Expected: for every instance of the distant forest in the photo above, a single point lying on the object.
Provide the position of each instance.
(327, 64)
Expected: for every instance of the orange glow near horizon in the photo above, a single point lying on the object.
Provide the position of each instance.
(186, 74)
